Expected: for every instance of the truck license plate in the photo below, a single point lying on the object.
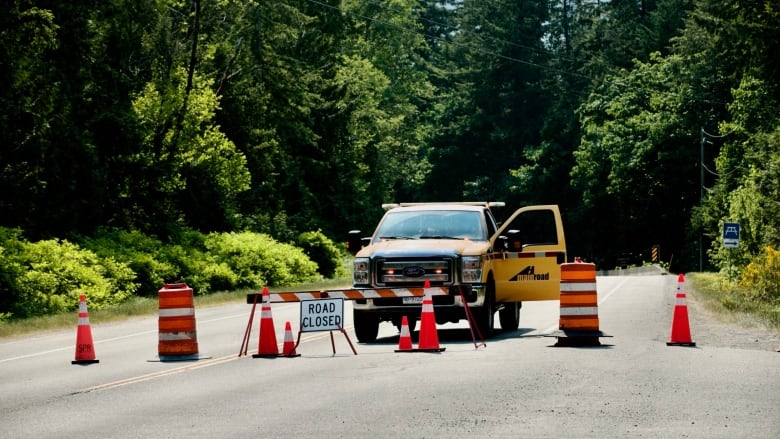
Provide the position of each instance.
(413, 300)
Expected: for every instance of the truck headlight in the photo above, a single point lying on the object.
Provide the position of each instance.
(360, 271)
(472, 269)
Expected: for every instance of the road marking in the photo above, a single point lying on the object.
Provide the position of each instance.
(200, 365)
(138, 379)
(614, 290)
(604, 299)
(36, 354)
(106, 340)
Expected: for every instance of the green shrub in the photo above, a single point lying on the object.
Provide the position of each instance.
(761, 277)
(219, 277)
(9, 269)
(322, 251)
(48, 276)
(258, 260)
(54, 274)
(156, 263)
(143, 254)
(192, 266)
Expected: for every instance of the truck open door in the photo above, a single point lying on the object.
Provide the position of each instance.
(527, 252)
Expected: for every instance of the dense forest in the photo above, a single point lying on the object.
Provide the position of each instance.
(650, 122)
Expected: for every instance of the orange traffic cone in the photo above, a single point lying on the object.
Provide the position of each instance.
(85, 350)
(288, 350)
(429, 338)
(681, 331)
(267, 346)
(405, 340)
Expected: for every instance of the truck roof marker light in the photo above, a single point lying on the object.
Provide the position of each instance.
(388, 206)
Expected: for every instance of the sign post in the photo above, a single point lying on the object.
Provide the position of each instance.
(731, 235)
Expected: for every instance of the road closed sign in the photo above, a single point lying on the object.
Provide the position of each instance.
(322, 315)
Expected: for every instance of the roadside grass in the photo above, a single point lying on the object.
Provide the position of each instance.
(731, 305)
(144, 306)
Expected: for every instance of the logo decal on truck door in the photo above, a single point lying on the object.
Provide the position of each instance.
(527, 273)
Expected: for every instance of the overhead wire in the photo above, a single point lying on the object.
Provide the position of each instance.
(462, 45)
(381, 5)
(498, 55)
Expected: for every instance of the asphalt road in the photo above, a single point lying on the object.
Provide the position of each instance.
(519, 385)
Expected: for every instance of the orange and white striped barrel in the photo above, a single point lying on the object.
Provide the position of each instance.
(177, 332)
(579, 301)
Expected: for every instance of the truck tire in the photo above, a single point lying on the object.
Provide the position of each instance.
(509, 316)
(485, 315)
(366, 326)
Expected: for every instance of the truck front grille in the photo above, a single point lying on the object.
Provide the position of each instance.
(414, 272)
(397, 302)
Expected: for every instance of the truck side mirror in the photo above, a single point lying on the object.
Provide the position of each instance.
(354, 242)
(513, 241)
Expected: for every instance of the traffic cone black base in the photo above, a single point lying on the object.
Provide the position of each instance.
(430, 350)
(421, 350)
(171, 358)
(691, 344)
(577, 338)
(570, 342)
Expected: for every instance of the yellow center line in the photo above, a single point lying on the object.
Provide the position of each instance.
(180, 369)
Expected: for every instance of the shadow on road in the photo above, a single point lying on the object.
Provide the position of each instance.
(462, 336)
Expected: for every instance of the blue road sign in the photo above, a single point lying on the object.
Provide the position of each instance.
(731, 235)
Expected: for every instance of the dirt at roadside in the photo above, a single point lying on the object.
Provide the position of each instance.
(709, 329)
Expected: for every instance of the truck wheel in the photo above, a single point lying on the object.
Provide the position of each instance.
(485, 315)
(509, 316)
(366, 326)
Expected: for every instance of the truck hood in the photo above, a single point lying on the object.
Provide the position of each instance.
(424, 247)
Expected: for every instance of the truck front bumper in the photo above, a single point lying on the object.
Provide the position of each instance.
(473, 293)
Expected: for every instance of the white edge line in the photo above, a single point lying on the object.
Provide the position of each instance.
(105, 340)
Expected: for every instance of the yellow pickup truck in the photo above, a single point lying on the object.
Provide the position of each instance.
(459, 246)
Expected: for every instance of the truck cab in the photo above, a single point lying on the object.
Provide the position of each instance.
(459, 246)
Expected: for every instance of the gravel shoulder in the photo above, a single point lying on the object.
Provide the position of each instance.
(711, 329)
(708, 328)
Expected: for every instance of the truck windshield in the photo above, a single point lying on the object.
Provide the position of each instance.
(434, 224)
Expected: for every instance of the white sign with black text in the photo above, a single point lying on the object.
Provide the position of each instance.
(322, 315)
